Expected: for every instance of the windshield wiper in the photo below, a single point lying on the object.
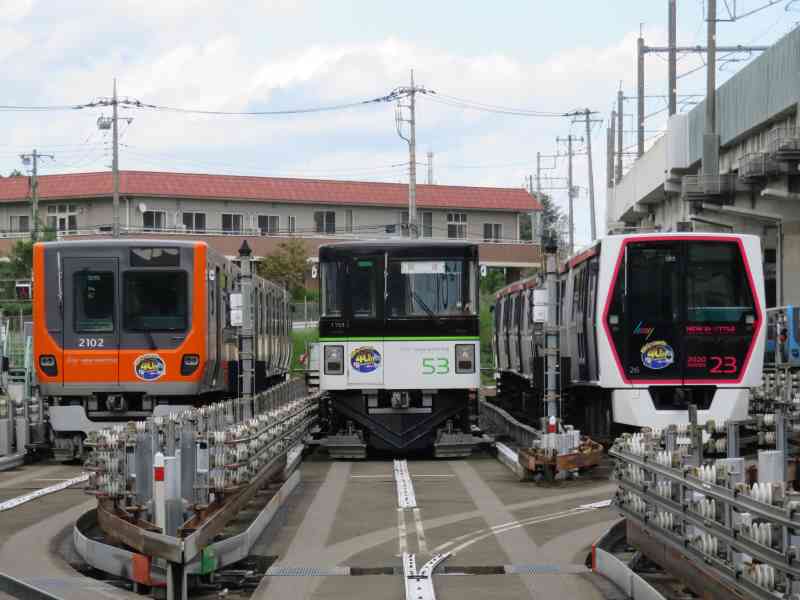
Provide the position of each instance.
(426, 308)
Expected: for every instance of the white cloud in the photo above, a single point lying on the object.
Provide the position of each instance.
(15, 10)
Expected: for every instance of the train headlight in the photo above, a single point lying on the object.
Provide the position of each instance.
(465, 358)
(47, 363)
(334, 360)
(189, 364)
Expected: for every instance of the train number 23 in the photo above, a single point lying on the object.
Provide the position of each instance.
(722, 364)
(435, 366)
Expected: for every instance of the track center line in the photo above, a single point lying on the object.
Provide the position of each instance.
(402, 542)
(421, 543)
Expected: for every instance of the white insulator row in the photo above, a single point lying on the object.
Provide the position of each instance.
(664, 489)
(664, 458)
(707, 508)
(761, 533)
(762, 575)
(707, 544)
(762, 492)
(636, 502)
(707, 473)
(665, 520)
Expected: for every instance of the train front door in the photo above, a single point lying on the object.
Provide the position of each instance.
(91, 320)
(655, 319)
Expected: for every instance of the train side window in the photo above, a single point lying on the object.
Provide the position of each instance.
(94, 301)
(364, 279)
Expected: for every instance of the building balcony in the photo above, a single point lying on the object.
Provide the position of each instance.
(716, 189)
(783, 143)
(756, 166)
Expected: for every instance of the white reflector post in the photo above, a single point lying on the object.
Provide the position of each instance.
(159, 492)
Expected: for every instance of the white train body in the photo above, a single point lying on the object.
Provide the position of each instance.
(650, 324)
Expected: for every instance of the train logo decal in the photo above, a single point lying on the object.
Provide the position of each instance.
(149, 367)
(657, 355)
(365, 359)
(647, 331)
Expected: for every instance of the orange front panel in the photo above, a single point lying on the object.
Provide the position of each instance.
(43, 343)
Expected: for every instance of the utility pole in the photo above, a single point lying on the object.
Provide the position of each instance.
(539, 173)
(640, 103)
(620, 149)
(33, 160)
(570, 189)
(610, 134)
(711, 139)
(672, 67)
(115, 163)
(410, 93)
(106, 123)
(430, 168)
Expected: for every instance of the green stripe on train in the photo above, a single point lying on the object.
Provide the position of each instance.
(401, 339)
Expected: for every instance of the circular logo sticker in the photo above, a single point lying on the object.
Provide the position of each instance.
(149, 367)
(365, 359)
(657, 355)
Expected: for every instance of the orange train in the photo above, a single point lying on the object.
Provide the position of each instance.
(130, 328)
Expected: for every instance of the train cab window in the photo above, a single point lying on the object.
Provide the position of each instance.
(423, 288)
(156, 301)
(94, 301)
(717, 289)
(332, 276)
(364, 280)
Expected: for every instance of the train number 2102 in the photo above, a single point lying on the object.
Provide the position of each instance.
(91, 343)
(435, 366)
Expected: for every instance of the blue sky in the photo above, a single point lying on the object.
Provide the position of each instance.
(549, 56)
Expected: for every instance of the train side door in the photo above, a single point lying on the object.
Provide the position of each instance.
(365, 358)
(591, 310)
(654, 315)
(91, 320)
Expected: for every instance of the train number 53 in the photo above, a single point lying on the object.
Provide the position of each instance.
(435, 366)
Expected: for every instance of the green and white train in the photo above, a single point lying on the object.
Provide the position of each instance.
(399, 339)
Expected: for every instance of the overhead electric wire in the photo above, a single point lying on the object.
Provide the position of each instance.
(485, 107)
(292, 111)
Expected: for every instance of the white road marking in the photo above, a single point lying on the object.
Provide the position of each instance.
(390, 477)
(601, 504)
(402, 542)
(525, 523)
(19, 500)
(421, 543)
(405, 488)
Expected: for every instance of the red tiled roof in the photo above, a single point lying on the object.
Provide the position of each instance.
(269, 189)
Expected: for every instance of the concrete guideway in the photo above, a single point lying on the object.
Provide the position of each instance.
(530, 540)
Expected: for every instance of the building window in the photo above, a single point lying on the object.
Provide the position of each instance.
(325, 221)
(348, 221)
(153, 220)
(231, 223)
(62, 218)
(425, 222)
(291, 224)
(194, 221)
(268, 224)
(20, 223)
(492, 232)
(457, 226)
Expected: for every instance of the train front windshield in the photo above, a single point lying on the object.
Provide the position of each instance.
(420, 288)
(682, 310)
(413, 288)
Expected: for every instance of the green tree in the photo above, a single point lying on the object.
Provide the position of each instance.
(287, 266)
(16, 173)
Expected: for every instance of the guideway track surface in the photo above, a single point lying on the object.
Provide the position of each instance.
(29, 532)
(345, 515)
